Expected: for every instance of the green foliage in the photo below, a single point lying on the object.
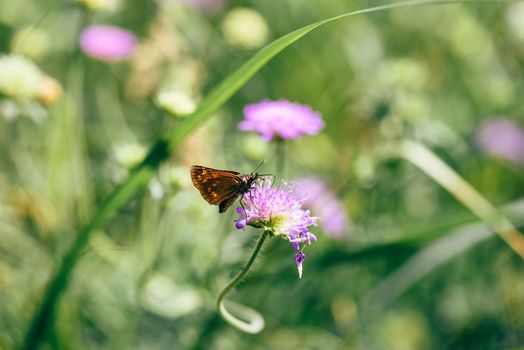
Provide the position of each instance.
(149, 255)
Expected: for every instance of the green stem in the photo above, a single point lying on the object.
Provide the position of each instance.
(44, 314)
(280, 155)
(256, 321)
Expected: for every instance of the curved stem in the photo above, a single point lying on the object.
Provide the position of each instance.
(255, 321)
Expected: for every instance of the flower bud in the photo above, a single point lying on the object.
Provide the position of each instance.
(20, 77)
(245, 28)
(49, 90)
(175, 102)
(129, 154)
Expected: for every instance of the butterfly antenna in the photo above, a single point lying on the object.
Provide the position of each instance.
(258, 166)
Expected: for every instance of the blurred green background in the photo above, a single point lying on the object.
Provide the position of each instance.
(414, 269)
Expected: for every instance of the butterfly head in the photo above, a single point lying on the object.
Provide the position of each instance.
(247, 181)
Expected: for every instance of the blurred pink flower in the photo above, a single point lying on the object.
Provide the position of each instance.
(503, 138)
(324, 204)
(281, 119)
(107, 43)
(208, 7)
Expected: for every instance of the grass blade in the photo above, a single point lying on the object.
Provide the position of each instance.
(434, 167)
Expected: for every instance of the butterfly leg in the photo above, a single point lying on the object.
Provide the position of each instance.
(243, 208)
(272, 179)
(252, 201)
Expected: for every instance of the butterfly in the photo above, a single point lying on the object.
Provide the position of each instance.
(221, 187)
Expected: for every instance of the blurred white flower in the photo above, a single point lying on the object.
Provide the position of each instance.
(129, 154)
(20, 77)
(245, 28)
(156, 189)
(515, 19)
(9, 110)
(102, 5)
(175, 102)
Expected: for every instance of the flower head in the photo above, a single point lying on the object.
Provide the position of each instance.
(279, 212)
(49, 91)
(245, 28)
(107, 43)
(281, 119)
(20, 77)
(503, 138)
(175, 101)
(322, 201)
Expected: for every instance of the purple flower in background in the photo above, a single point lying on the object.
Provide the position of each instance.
(107, 43)
(281, 119)
(278, 211)
(324, 203)
(208, 7)
(503, 138)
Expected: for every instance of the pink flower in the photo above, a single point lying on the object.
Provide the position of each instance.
(503, 138)
(208, 7)
(107, 43)
(279, 212)
(325, 204)
(281, 119)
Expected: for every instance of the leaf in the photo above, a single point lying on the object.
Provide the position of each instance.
(427, 260)
(463, 191)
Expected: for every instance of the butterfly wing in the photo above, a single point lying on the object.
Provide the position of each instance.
(226, 203)
(217, 187)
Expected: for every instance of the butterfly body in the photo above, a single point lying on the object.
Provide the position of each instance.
(221, 187)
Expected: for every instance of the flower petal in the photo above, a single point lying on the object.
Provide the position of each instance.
(281, 119)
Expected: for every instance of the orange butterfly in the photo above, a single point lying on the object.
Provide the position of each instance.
(221, 187)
